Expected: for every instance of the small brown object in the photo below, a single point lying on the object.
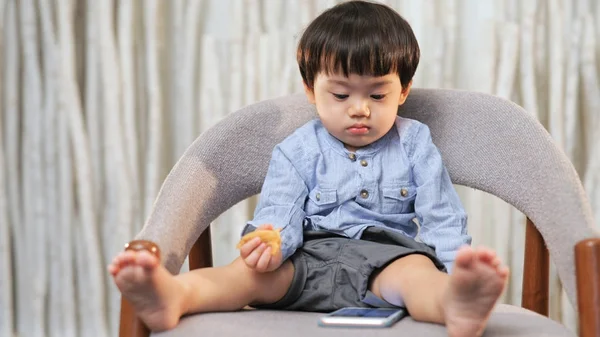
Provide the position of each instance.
(271, 237)
(140, 245)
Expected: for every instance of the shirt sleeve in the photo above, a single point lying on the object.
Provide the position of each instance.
(441, 215)
(281, 203)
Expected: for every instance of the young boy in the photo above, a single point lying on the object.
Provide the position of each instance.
(345, 190)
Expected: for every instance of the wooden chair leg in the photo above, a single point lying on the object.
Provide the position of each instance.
(536, 272)
(201, 253)
(130, 324)
(587, 268)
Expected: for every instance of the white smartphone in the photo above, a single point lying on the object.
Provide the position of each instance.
(363, 317)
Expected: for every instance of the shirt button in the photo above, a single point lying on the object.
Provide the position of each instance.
(364, 194)
(352, 156)
(364, 163)
(318, 196)
(404, 192)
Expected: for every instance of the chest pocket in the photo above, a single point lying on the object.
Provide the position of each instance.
(398, 198)
(321, 200)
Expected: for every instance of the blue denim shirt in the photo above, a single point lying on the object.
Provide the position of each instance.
(314, 183)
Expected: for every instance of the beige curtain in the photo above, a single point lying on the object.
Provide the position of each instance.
(98, 99)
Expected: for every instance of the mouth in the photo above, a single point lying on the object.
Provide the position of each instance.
(358, 129)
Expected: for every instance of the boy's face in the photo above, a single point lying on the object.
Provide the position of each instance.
(357, 110)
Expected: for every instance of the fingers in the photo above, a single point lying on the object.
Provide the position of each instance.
(247, 248)
(264, 261)
(253, 258)
(258, 255)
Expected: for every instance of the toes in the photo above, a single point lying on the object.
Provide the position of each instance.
(117, 260)
(129, 278)
(127, 258)
(131, 258)
(123, 259)
(503, 271)
(485, 255)
(464, 257)
(112, 269)
(146, 260)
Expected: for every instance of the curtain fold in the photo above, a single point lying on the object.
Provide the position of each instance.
(99, 99)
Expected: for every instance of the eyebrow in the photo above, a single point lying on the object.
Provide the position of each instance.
(346, 84)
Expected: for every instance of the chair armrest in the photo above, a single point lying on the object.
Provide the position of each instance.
(587, 267)
(129, 324)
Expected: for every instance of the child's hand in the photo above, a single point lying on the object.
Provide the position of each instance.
(258, 255)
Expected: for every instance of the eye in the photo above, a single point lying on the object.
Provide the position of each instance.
(378, 97)
(340, 96)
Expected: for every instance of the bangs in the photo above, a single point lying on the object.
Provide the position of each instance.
(365, 58)
(359, 38)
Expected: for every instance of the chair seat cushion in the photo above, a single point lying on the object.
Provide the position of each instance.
(506, 321)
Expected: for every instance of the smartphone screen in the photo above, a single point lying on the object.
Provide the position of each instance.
(364, 312)
(363, 317)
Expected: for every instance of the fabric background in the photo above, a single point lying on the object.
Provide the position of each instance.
(98, 99)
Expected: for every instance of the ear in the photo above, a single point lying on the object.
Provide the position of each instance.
(310, 93)
(404, 93)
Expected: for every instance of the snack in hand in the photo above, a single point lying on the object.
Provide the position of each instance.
(271, 237)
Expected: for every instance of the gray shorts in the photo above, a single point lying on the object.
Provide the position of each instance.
(332, 272)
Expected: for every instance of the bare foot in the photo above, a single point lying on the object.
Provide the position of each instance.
(154, 293)
(476, 283)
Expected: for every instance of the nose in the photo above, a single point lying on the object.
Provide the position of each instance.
(360, 108)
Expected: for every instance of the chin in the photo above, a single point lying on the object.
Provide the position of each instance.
(358, 146)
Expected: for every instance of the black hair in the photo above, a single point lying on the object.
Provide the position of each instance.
(358, 37)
